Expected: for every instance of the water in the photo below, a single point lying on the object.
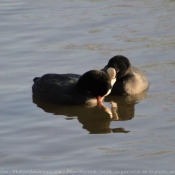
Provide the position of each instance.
(75, 36)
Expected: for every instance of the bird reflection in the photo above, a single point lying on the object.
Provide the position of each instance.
(97, 119)
(123, 106)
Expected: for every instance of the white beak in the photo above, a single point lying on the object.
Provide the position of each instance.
(112, 74)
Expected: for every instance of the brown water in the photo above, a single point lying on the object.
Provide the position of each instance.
(73, 36)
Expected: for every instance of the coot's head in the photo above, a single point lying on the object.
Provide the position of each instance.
(97, 82)
(121, 64)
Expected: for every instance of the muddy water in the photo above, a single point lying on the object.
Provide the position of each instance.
(134, 135)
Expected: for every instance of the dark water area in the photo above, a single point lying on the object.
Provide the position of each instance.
(131, 133)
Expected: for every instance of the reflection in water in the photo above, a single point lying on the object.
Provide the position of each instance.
(97, 119)
(124, 105)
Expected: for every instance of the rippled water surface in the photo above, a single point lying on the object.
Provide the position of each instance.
(73, 36)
